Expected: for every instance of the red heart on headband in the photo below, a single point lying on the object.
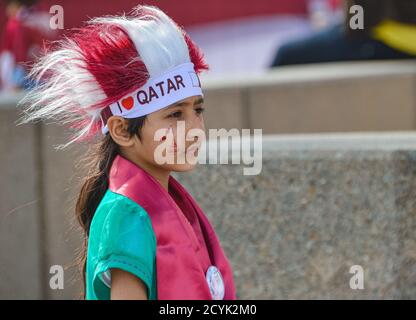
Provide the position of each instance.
(127, 103)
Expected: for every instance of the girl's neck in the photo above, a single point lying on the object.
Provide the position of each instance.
(161, 175)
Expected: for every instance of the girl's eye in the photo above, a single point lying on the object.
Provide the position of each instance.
(199, 110)
(176, 114)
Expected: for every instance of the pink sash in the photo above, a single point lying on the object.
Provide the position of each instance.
(186, 245)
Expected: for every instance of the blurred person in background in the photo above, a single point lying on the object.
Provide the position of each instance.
(389, 33)
(25, 30)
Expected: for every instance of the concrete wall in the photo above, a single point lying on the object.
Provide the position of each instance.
(21, 251)
(320, 204)
(363, 96)
(36, 209)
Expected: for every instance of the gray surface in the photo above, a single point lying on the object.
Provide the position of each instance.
(311, 73)
(21, 230)
(295, 230)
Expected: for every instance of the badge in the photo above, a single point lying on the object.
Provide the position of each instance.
(215, 283)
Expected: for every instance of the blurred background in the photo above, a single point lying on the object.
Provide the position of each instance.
(337, 107)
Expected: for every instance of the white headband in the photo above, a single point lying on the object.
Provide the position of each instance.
(174, 85)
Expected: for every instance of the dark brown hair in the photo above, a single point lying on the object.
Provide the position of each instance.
(97, 165)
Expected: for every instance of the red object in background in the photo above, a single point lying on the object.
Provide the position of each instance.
(20, 39)
(184, 12)
(335, 4)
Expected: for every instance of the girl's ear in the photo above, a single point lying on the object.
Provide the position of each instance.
(118, 129)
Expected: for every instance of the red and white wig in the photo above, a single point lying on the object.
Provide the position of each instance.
(108, 67)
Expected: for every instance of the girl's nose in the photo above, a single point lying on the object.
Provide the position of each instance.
(194, 122)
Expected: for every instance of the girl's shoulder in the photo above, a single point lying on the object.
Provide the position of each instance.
(121, 236)
(115, 202)
(117, 213)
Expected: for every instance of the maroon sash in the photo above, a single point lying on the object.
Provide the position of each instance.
(187, 245)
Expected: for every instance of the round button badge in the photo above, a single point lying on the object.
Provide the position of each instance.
(215, 283)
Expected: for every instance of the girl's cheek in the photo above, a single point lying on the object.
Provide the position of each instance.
(169, 133)
(165, 136)
(172, 135)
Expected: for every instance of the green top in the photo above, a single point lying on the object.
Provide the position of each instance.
(121, 236)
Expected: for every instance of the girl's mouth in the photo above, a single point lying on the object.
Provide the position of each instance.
(190, 150)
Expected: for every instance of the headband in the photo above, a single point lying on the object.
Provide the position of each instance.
(172, 86)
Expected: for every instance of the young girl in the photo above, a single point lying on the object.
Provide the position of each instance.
(127, 78)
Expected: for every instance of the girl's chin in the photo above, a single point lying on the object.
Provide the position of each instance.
(182, 167)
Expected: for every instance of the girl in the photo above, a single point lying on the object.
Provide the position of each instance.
(127, 78)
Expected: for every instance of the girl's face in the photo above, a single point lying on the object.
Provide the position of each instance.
(170, 134)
